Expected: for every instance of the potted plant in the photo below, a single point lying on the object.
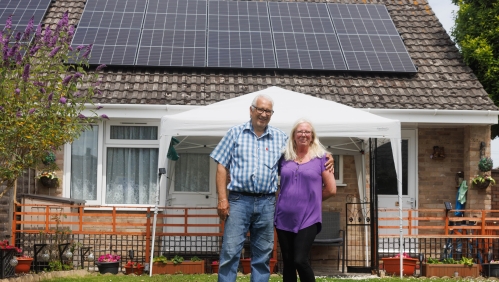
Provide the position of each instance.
(23, 264)
(214, 266)
(450, 267)
(246, 265)
(48, 179)
(392, 265)
(491, 269)
(134, 267)
(7, 259)
(483, 180)
(108, 263)
(161, 265)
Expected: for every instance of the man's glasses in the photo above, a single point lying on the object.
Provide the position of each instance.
(261, 111)
(303, 132)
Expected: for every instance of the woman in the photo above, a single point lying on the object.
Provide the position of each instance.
(305, 183)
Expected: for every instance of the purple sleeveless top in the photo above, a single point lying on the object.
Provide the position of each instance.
(300, 199)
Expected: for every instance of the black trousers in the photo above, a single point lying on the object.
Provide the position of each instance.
(295, 250)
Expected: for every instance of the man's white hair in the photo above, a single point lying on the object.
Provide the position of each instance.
(264, 96)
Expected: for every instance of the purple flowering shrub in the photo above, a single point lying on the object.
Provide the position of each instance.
(44, 89)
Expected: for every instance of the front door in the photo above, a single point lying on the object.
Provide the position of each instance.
(386, 184)
(193, 186)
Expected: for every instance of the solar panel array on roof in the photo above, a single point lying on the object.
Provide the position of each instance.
(239, 35)
(22, 11)
(113, 26)
(243, 34)
(174, 34)
(369, 39)
(304, 37)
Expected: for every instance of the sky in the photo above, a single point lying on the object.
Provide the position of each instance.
(444, 10)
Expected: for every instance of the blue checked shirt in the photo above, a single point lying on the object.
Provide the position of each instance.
(252, 160)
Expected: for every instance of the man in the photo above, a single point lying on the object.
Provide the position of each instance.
(250, 152)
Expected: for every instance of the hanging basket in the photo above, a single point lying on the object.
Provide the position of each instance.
(482, 185)
(49, 182)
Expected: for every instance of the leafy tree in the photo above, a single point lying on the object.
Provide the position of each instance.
(40, 105)
(476, 32)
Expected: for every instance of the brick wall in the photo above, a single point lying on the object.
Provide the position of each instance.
(436, 177)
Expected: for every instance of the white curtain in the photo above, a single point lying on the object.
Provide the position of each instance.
(192, 173)
(84, 165)
(131, 173)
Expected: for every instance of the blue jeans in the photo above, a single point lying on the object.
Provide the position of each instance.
(255, 214)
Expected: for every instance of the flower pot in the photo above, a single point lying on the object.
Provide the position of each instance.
(108, 267)
(246, 264)
(23, 265)
(440, 270)
(490, 269)
(482, 185)
(186, 267)
(49, 182)
(135, 270)
(392, 266)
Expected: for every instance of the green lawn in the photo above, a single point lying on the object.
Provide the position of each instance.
(243, 278)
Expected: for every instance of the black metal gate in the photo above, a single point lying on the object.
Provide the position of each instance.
(358, 235)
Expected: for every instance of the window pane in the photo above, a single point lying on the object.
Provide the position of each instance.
(134, 132)
(192, 173)
(336, 166)
(131, 175)
(84, 165)
(386, 177)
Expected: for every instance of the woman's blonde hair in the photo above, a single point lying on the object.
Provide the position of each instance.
(316, 149)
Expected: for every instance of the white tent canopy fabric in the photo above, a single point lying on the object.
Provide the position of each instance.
(329, 118)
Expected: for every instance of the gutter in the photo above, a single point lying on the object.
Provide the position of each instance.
(436, 116)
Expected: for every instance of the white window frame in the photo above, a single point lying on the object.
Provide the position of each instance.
(105, 142)
(339, 181)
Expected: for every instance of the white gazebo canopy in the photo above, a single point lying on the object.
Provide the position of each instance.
(329, 118)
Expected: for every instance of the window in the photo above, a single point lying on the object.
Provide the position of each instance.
(192, 173)
(84, 165)
(117, 165)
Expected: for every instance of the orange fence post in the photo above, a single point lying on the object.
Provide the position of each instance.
(409, 220)
(446, 228)
(47, 218)
(483, 223)
(80, 227)
(114, 219)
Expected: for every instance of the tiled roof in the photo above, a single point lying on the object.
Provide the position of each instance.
(443, 80)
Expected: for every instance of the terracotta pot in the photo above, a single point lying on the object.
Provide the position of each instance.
(135, 270)
(392, 266)
(246, 264)
(23, 265)
(214, 268)
(186, 267)
(450, 270)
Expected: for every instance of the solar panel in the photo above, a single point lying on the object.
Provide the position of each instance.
(304, 37)
(113, 26)
(22, 11)
(369, 39)
(174, 34)
(239, 35)
(243, 34)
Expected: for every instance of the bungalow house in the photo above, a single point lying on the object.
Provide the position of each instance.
(435, 96)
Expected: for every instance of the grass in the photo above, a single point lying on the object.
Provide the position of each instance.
(243, 278)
